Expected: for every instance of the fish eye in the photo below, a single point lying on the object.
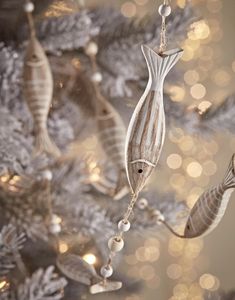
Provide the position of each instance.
(104, 111)
(140, 171)
(188, 227)
(34, 56)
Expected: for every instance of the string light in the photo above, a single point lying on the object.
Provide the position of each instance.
(90, 258)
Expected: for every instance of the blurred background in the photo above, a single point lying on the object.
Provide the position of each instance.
(167, 267)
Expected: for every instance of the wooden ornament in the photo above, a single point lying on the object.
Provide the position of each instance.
(105, 286)
(38, 89)
(112, 133)
(210, 207)
(146, 131)
(77, 269)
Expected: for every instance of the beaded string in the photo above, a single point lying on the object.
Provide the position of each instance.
(164, 10)
(29, 8)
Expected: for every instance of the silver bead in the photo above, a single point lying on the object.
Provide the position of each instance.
(91, 49)
(142, 203)
(97, 77)
(124, 226)
(164, 10)
(115, 244)
(106, 271)
(29, 7)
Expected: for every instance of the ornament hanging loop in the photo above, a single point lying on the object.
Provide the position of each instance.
(29, 8)
(164, 11)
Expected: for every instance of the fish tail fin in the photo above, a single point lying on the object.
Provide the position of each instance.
(43, 143)
(122, 188)
(229, 180)
(160, 64)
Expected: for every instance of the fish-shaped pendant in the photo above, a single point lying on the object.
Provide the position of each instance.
(77, 269)
(210, 207)
(38, 89)
(112, 134)
(146, 131)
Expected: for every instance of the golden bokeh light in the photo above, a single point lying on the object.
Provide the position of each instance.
(207, 281)
(194, 169)
(90, 258)
(191, 77)
(198, 91)
(63, 247)
(128, 9)
(174, 161)
(174, 271)
(204, 106)
(177, 93)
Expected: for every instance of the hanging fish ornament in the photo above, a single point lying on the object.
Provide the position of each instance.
(210, 207)
(110, 126)
(111, 133)
(77, 269)
(38, 89)
(146, 131)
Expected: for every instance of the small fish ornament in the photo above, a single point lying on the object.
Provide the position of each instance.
(146, 131)
(38, 89)
(112, 133)
(77, 269)
(210, 207)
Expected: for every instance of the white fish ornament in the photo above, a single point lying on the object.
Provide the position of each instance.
(38, 89)
(112, 133)
(210, 207)
(77, 269)
(146, 131)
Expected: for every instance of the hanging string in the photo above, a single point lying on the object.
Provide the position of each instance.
(164, 11)
(29, 8)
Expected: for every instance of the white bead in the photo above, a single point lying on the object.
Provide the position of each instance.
(124, 225)
(160, 219)
(55, 228)
(47, 175)
(91, 49)
(97, 77)
(164, 10)
(115, 244)
(106, 271)
(142, 203)
(29, 7)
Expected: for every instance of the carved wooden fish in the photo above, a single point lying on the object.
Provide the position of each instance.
(112, 134)
(77, 269)
(38, 88)
(210, 207)
(146, 131)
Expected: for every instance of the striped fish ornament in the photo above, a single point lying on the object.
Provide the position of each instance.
(112, 134)
(210, 207)
(146, 131)
(38, 89)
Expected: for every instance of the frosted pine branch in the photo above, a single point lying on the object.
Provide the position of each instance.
(43, 284)
(10, 244)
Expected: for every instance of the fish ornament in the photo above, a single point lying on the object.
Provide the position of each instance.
(38, 88)
(112, 133)
(110, 126)
(210, 207)
(146, 131)
(77, 269)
